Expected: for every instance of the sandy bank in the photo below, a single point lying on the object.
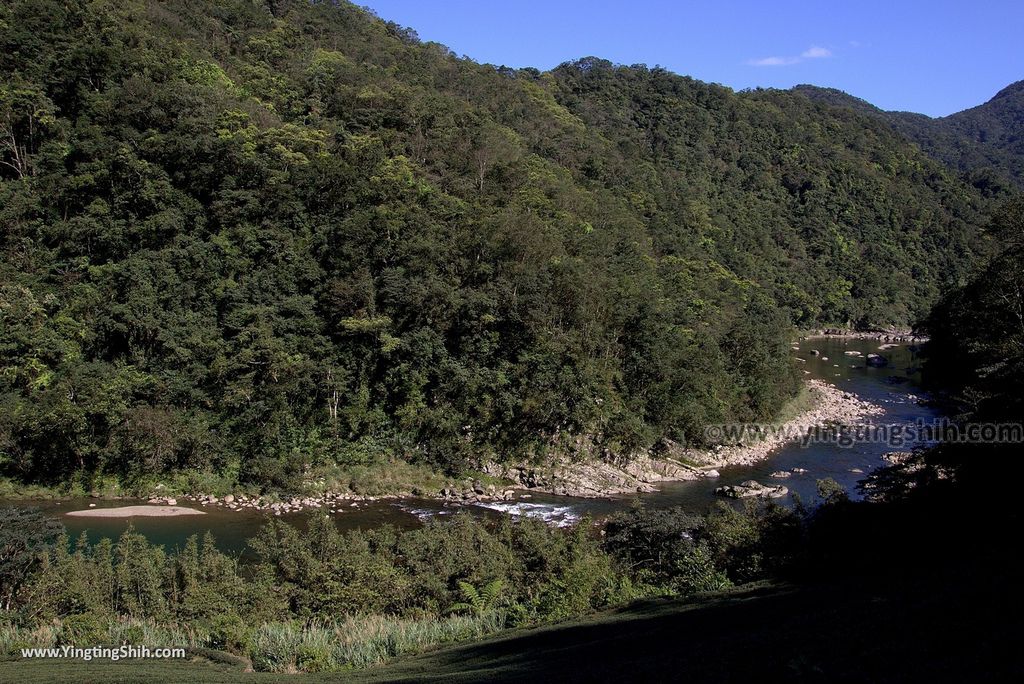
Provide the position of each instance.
(136, 511)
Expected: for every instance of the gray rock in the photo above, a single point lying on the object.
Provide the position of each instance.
(751, 488)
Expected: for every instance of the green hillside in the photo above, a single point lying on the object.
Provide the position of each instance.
(265, 239)
(985, 143)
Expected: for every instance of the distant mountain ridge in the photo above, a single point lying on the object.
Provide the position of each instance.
(985, 142)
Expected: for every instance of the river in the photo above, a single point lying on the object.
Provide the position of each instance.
(895, 388)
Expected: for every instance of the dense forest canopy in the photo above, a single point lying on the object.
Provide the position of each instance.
(975, 370)
(984, 142)
(261, 237)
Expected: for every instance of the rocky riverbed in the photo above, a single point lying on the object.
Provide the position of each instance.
(335, 502)
(832, 407)
(525, 492)
(894, 336)
(671, 462)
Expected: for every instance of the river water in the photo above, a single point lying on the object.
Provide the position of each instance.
(895, 388)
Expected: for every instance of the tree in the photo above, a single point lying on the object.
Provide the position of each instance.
(26, 535)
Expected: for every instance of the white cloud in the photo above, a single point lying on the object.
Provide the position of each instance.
(813, 52)
(774, 61)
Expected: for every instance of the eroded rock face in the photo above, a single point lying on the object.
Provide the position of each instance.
(599, 477)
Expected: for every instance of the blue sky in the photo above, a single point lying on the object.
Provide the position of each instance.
(935, 57)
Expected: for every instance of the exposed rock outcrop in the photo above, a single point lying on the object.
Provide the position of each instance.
(596, 478)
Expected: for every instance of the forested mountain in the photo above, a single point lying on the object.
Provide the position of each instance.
(986, 142)
(259, 238)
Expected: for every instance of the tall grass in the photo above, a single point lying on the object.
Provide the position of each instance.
(97, 632)
(359, 641)
(804, 401)
(14, 638)
(287, 647)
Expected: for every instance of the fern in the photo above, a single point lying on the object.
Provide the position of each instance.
(478, 601)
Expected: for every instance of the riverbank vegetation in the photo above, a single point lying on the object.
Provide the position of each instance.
(256, 242)
(975, 366)
(320, 600)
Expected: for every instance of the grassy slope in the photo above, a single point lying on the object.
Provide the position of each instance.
(829, 634)
(941, 626)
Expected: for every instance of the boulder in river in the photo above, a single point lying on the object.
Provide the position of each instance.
(751, 488)
(781, 474)
(896, 457)
(876, 361)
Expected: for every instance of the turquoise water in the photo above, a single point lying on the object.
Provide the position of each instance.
(894, 388)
